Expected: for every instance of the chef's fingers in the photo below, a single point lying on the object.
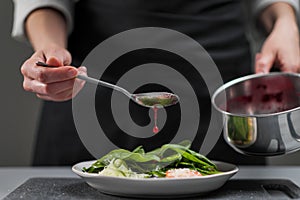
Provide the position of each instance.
(65, 95)
(289, 59)
(264, 61)
(58, 91)
(59, 87)
(47, 74)
(47, 89)
(27, 84)
(54, 57)
(79, 84)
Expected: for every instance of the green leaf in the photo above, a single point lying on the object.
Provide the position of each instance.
(127, 155)
(139, 150)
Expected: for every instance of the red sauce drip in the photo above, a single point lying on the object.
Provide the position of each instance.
(155, 128)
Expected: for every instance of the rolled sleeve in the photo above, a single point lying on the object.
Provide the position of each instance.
(22, 8)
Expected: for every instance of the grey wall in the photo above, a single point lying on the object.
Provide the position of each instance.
(19, 109)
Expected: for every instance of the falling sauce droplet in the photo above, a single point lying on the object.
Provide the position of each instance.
(155, 128)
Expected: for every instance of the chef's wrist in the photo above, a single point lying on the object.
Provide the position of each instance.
(289, 23)
(46, 27)
(276, 14)
(49, 45)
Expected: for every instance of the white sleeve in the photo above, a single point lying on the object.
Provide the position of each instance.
(22, 8)
(259, 5)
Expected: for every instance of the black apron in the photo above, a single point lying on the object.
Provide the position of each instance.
(217, 25)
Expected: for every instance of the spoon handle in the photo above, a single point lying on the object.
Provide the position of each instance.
(95, 81)
(103, 83)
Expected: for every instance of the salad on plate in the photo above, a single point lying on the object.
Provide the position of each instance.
(168, 161)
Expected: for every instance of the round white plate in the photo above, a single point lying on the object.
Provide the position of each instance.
(156, 187)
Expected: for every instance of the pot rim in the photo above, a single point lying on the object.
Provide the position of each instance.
(249, 77)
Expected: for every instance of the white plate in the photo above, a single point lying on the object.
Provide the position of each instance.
(156, 187)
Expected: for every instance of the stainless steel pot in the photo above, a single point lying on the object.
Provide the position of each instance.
(261, 113)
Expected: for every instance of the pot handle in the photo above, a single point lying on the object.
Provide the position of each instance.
(291, 127)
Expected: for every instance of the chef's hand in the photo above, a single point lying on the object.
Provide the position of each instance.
(52, 83)
(281, 49)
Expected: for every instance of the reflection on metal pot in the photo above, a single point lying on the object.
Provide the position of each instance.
(240, 131)
(262, 113)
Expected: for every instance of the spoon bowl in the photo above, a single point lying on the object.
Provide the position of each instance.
(156, 99)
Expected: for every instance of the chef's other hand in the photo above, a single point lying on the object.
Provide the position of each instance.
(52, 83)
(281, 48)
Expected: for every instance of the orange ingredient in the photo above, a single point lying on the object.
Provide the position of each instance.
(182, 173)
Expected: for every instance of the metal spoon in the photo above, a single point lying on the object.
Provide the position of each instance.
(150, 99)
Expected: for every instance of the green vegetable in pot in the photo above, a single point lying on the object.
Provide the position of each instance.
(240, 129)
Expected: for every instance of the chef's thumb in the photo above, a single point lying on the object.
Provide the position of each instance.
(53, 61)
(264, 61)
(58, 57)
